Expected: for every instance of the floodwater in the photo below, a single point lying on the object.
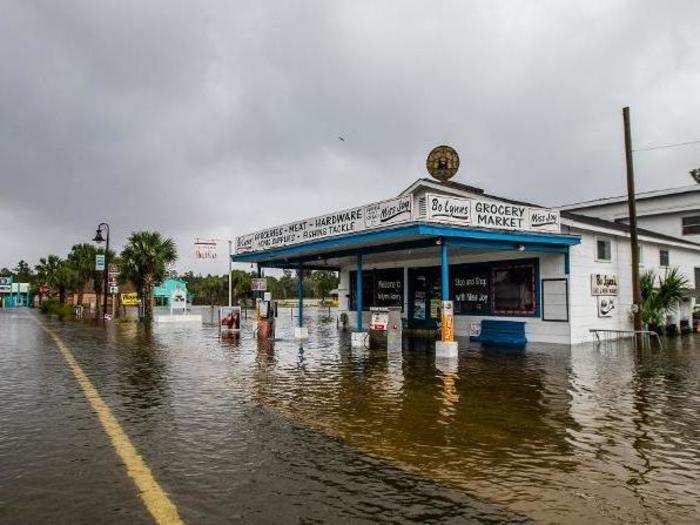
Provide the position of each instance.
(276, 433)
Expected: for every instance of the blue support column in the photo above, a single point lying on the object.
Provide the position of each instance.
(358, 293)
(445, 271)
(300, 293)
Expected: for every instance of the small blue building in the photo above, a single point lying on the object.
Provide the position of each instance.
(167, 288)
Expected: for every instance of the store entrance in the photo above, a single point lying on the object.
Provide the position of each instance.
(424, 297)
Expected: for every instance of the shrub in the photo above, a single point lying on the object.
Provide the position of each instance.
(48, 306)
(53, 307)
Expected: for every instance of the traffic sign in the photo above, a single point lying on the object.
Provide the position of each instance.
(114, 289)
(99, 262)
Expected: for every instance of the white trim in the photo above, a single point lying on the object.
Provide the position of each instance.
(617, 199)
(572, 223)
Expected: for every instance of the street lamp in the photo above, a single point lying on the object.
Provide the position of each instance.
(99, 239)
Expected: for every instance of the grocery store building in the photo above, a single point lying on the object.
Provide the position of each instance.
(558, 275)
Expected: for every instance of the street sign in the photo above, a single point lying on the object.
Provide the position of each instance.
(99, 262)
(130, 299)
(114, 290)
(258, 284)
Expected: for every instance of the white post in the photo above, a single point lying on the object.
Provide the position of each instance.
(229, 273)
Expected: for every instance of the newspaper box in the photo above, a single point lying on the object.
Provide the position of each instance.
(386, 327)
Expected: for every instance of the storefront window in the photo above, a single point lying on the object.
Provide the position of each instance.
(471, 289)
(388, 287)
(514, 289)
(379, 288)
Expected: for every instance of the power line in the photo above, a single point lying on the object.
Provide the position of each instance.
(668, 145)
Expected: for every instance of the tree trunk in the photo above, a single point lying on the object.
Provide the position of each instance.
(147, 298)
(62, 294)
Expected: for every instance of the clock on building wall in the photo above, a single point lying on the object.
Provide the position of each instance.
(442, 163)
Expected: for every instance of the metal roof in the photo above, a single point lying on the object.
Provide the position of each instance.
(644, 195)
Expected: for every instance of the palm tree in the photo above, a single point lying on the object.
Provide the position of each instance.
(82, 260)
(663, 298)
(143, 261)
(57, 273)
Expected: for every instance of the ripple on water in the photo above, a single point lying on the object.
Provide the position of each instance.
(234, 428)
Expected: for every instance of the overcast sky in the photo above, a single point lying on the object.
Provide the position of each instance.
(218, 118)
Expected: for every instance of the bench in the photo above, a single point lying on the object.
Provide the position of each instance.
(506, 333)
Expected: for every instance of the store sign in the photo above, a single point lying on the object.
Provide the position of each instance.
(5, 288)
(130, 299)
(477, 212)
(490, 214)
(603, 284)
(5, 281)
(99, 262)
(259, 284)
(380, 214)
(205, 249)
(388, 212)
(606, 306)
(178, 300)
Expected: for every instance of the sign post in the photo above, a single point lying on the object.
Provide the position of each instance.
(206, 249)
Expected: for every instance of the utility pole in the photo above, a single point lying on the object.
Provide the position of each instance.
(634, 241)
(229, 272)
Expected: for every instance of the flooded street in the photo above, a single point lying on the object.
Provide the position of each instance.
(237, 431)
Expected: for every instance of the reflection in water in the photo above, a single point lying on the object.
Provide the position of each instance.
(554, 433)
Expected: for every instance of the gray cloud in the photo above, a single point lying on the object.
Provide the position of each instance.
(222, 117)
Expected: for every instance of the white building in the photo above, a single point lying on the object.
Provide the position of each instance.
(672, 211)
(556, 275)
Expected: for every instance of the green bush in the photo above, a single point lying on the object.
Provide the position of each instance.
(48, 306)
(53, 307)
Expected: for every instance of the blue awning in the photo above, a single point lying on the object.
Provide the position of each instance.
(414, 235)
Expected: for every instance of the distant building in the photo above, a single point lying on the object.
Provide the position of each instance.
(167, 288)
(673, 211)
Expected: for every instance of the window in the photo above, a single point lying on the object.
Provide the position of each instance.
(471, 289)
(691, 225)
(663, 258)
(513, 289)
(379, 288)
(603, 250)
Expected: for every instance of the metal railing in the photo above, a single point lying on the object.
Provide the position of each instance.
(618, 334)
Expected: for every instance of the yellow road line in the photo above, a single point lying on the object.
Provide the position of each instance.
(154, 497)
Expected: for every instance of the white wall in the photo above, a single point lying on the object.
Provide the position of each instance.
(583, 306)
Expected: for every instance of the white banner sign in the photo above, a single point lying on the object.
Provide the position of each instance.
(205, 249)
(354, 220)
(603, 284)
(483, 213)
(479, 213)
